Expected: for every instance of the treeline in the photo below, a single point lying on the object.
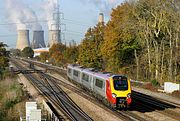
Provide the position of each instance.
(60, 55)
(3, 59)
(27, 52)
(141, 40)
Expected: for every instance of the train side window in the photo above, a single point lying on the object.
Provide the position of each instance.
(85, 77)
(76, 73)
(69, 71)
(99, 83)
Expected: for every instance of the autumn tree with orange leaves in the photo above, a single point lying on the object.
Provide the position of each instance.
(56, 54)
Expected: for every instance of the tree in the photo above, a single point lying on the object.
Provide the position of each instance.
(15, 52)
(57, 54)
(89, 51)
(159, 30)
(120, 40)
(71, 54)
(28, 52)
(3, 58)
(44, 56)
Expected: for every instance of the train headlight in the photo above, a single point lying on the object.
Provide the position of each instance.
(129, 95)
(114, 95)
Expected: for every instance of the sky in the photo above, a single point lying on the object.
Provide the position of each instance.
(76, 17)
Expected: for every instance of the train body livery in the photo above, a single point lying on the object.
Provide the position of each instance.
(116, 89)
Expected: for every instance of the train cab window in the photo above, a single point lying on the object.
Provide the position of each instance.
(69, 71)
(99, 83)
(120, 83)
(85, 77)
(76, 73)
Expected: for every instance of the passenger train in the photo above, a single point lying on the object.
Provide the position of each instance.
(115, 89)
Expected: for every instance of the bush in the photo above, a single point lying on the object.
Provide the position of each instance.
(176, 93)
(10, 103)
(154, 82)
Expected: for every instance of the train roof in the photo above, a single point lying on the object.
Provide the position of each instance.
(93, 71)
(75, 66)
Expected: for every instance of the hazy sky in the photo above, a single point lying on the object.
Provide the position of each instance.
(79, 15)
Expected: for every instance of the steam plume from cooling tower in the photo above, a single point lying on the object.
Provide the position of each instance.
(52, 12)
(21, 14)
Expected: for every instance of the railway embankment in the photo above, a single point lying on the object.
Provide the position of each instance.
(33, 93)
(159, 95)
(12, 99)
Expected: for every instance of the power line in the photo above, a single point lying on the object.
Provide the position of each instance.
(23, 22)
(45, 21)
(74, 32)
(8, 35)
(76, 22)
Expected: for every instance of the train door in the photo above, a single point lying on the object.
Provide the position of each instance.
(99, 86)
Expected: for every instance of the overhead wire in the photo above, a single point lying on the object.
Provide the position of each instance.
(72, 32)
(8, 35)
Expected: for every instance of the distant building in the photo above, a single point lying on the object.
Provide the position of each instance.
(22, 39)
(101, 18)
(38, 51)
(38, 40)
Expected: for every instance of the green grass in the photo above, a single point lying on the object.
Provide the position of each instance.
(13, 86)
(11, 94)
(154, 82)
(10, 103)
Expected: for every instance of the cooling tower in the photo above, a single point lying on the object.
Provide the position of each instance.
(23, 39)
(101, 18)
(54, 37)
(38, 40)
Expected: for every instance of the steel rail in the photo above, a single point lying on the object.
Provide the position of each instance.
(70, 105)
(151, 100)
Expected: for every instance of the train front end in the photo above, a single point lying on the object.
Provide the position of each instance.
(118, 91)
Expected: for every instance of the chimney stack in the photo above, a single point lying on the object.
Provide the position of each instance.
(22, 39)
(38, 39)
(101, 18)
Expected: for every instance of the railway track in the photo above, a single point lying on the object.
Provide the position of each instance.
(149, 103)
(142, 103)
(57, 96)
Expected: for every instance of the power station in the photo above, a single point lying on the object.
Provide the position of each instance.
(38, 39)
(23, 39)
(54, 35)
